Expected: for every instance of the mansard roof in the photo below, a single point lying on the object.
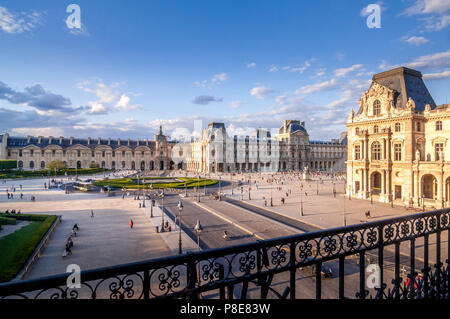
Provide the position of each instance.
(407, 83)
(19, 142)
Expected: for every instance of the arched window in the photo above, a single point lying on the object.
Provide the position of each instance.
(376, 151)
(20, 164)
(376, 108)
(398, 127)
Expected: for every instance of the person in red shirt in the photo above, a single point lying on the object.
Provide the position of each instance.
(131, 223)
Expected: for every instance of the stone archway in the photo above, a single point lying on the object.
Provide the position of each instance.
(429, 187)
(375, 183)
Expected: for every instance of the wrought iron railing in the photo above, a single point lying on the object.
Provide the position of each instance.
(276, 268)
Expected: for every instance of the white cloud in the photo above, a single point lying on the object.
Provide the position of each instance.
(437, 76)
(235, 104)
(318, 87)
(273, 68)
(124, 104)
(19, 23)
(260, 92)
(437, 12)
(344, 71)
(221, 77)
(415, 40)
(436, 60)
(97, 108)
(251, 65)
(215, 80)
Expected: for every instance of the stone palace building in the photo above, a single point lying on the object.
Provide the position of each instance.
(213, 152)
(290, 150)
(398, 143)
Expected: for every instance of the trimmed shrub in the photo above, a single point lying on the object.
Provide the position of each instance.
(6, 165)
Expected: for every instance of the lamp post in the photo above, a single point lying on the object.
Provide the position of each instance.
(343, 215)
(162, 212)
(271, 198)
(317, 187)
(198, 187)
(198, 230)
(249, 187)
(180, 209)
(143, 193)
(301, 201)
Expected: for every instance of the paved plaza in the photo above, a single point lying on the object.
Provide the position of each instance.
(104, 240)
(107, 239)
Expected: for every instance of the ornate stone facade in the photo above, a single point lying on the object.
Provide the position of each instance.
(397, 143)
(290, 150)
(36, 152)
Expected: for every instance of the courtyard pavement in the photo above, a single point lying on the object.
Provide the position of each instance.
(104, 240)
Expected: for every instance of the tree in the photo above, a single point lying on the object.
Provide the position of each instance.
(7, 165)
(56, 164)
(94, 165)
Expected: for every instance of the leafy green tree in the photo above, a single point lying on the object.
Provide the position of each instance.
(94, 165)
(7, 165)
(59, 165)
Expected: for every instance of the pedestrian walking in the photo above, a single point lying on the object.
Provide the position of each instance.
(131, 223)
(92, 213)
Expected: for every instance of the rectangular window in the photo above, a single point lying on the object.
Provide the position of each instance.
(93, 154)
(31, 153)
(439, 147)
(79, 153)
(53, 152)
(113, 154)
(397, 152)
(123, 153)
(42, 153)
(439, 126)
(357, 152)
(20, 153)
(103, 153)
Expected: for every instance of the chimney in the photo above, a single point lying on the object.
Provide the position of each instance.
(60, 140)
(39, 139)
(50, 138)
(89, 141)
(146, 141)
(303, 123)
(137, 142)
(109, 141)
(71, 140)
(118, 142)
(28, 139)
(129, 141)
(98, 141)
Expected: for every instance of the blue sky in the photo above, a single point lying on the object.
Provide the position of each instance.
(136, 65)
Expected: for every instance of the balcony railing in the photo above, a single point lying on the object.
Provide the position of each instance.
(276, 268)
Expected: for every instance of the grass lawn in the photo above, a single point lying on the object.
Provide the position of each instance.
(18, 246)
(131, 183)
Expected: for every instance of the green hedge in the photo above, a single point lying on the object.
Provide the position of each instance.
(7, 165)
(17, 247)
(7, 221)
(44, 172)
(131, 183)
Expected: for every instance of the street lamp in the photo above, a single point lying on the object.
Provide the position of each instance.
(198, 230)
(249, 187)
(317, 187)
(198, 187)
(271, 198)
(180, 209)
(162, 212)
(301, 202)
